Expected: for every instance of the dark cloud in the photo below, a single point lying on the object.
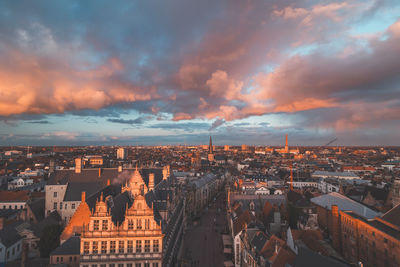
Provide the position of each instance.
(138, 120)
(216, 124)
(39, 122)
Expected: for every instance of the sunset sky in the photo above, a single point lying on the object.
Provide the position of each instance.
(167, 72)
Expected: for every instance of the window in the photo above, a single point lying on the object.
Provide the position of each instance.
(105, 225)
(96, 225)
(120, 265)
(103, 265)
(130, 225)
(129, 265)
(147, 265)
(112, 246)
(138, 246)
(58, 259)
(139, 224)
(111, 265)
(147, 246)
(74, 258)
(385, 240)
(147, 224)
(18, 247)
(73, 206)
(103, 247)
(95, 247)
(130, 246)
(55, 205)
(61, 205)
(121, 246)
(85, 247)
(13, 250)
(65, 206)
(62, 259)
(138, 265)
(155, 246)
(155, 264)
(55, 194)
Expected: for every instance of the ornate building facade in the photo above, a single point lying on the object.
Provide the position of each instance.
(135, 241)
(137, 224)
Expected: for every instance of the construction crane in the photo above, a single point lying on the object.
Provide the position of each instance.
(330, 142)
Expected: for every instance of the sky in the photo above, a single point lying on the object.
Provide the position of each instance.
(174, 72)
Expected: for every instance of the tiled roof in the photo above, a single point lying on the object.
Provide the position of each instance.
(12, 196)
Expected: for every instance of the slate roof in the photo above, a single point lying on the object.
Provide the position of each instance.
(393, 216)
(9, 236)
(37, 207)
(344, 204)
(70, 247)
(309, 258)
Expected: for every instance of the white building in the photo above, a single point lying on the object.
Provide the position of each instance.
(10, 245)
(339, 175)
(121, 153)
(18, 183)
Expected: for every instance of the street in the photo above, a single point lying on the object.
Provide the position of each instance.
(203, 242)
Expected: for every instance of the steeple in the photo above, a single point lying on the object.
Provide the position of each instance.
(210, 151)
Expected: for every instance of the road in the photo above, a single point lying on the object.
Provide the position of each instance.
(203, 242)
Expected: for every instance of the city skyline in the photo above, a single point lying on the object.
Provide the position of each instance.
(244, 72)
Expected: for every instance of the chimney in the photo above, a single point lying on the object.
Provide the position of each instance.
(78, 165)
(83, 196)
(119, 168)
(151, 181)
(99, 172)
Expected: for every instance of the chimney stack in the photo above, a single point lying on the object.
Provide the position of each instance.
(151, 181)
(78, 165)
(83, 196)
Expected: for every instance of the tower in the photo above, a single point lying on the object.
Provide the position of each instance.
(210, 151)
(286, 145)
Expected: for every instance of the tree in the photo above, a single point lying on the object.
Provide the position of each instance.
(50, 239)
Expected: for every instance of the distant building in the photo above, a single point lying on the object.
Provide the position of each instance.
(121, 153)
(339, 175)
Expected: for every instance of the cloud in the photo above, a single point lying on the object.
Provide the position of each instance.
(216, 124)
(138, 120)
(39, 122)
(209, 60)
